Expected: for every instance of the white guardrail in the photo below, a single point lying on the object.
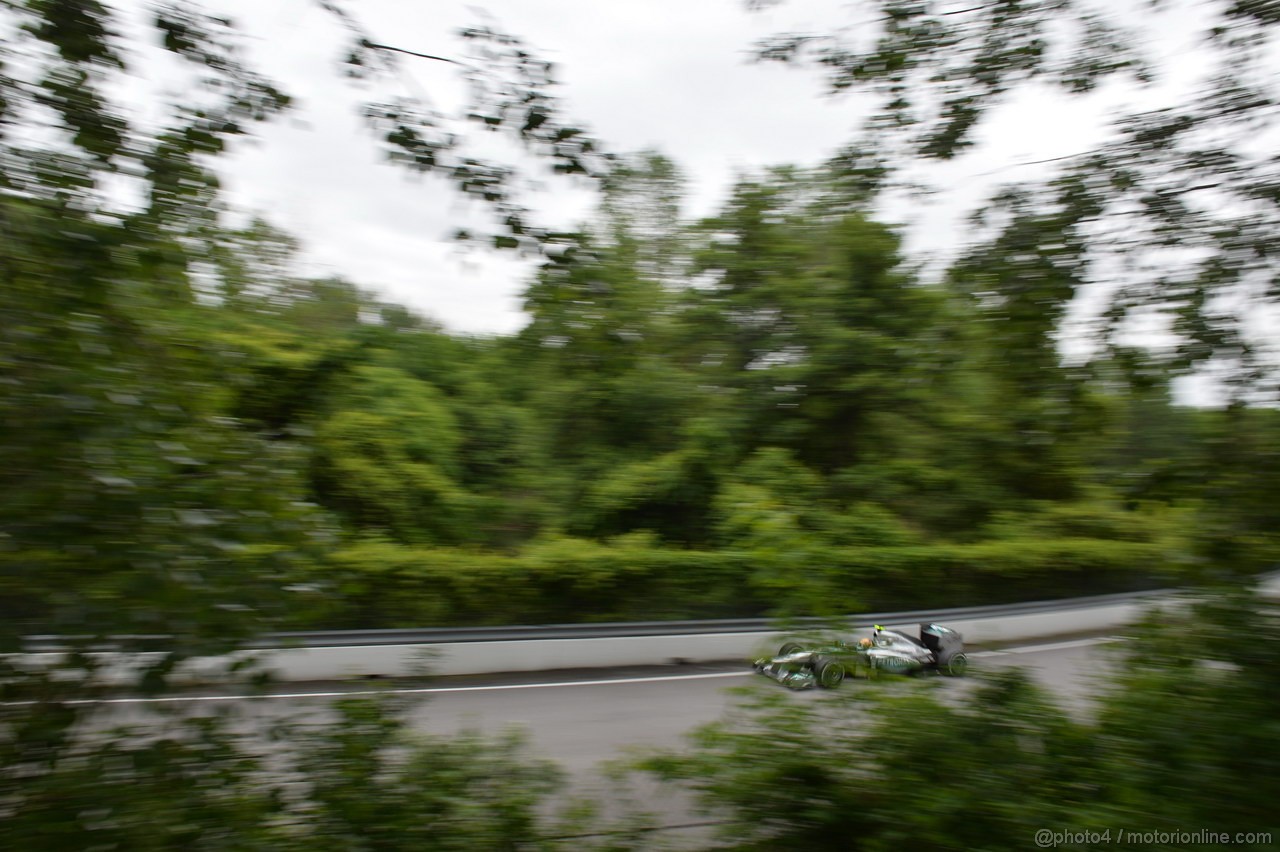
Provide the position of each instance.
(525, 655)
(383, 656)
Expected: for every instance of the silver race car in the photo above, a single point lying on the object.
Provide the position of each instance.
(800, 666)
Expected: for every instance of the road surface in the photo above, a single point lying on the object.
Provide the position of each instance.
(581, 720)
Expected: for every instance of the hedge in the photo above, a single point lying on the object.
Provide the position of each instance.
(379, 584)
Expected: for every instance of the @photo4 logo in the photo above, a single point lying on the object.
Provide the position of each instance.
(1048, 839)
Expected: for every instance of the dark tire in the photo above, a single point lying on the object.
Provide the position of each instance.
(829, 673)
(790, 648)
(955, 665)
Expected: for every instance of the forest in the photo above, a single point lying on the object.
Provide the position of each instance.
(762, 413)
(770, 411)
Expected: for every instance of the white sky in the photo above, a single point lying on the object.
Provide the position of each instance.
(659, 74)
(667, 74)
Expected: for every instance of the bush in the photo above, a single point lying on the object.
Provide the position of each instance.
(360, 781)
(374, 583)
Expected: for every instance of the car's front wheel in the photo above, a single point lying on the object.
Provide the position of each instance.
(829, 673)
(789, 648)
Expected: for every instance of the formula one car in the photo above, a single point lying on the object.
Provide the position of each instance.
(939, 649)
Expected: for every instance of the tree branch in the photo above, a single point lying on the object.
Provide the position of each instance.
(364, 42)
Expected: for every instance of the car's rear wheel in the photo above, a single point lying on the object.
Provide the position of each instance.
(829, 673)
(956, 665)
(790, 648)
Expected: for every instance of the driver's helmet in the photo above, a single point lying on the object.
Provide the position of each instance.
(864, 643)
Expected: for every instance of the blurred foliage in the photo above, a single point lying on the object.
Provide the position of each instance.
(1171, 217)
(776, 570)
(764, 412)
(935, 71)
(129, 502)
(1182, 737)
(511, 91)
(373, 785)
(387, 453)
(359, 780)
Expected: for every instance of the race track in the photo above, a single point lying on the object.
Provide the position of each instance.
(581, 719)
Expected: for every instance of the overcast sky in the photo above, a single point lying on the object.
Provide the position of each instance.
(667, 74)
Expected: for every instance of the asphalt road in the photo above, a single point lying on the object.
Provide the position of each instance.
(580, 723)
(583, 719)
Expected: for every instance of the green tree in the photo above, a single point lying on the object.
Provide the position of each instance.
(621, 417)
(1039, 412)
(821, 340)
(387, 455)
(1182, 200)
(133, 500)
